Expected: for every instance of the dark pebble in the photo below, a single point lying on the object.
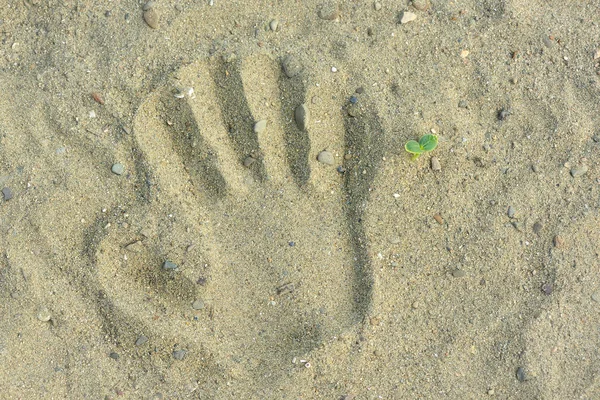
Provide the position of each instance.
(353, 99)
(292, 244)
(537, 227)
(521, 376)
(7, 193)
(547, 289)
(341, 169)
(503, 114)
(114, 356)
(360, 90)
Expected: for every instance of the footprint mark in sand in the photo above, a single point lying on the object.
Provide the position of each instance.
(275, 251)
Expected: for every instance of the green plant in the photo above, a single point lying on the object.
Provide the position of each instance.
(426, 143)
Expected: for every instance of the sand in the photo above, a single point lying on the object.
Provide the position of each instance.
(375, 277)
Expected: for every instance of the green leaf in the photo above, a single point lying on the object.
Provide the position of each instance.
(413, 147)
(428, 142)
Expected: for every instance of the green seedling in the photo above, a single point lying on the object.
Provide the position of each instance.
(425, 144)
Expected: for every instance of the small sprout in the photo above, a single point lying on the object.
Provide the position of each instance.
(425, 144)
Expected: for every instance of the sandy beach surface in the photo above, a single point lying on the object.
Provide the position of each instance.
(211, 199)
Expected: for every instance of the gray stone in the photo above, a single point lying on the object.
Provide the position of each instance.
(521, 375)
(458, 273)
(198, 305)
(435, 164)
(274, 24)
(7, 193)
(169, 265)
(596, 296)
(579, 171)
(291, 66)
(141, 340)
(118, 169)
(511, 212)
(421, 5)
(260, 126)
(179, 354)
(248, 161)
(325, 157)
(302, 116)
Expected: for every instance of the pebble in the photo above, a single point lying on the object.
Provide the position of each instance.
(435, 164)
(302, 116)
(511, 212)
(341, 169)
(558, 242)
(114, 356)
(325, 157)
(579, 171)
(169, 265)
(179, 354)
(141, 340)
(44, 314)
(521, 376)
(439, 219)
(503, 114)
(260, 126)
(118, 169)
(329, 11)
(274, 24)
(407, 17)
(353, 99)
(463, 104)
(458, 273)
(537, 227)
(596, 296)
(421, 5)
(547, 289)
(148, 5)
(151, 18)
(7, 193)
(377, 6)
(198, 305)
(248, 161)
(291, 66)
(415, 305)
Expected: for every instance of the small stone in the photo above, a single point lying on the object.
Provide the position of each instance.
(597, 54)
(118, 169)
(491, 392)
(537, 227)
(302, 116)
(151, 18)
(7, 193)
(329, 11)
(407, 17)
(377, 6)
(547, 289)
(179, 354)
(415, 305)
(558, 242)
(141, 340)
(260, 126)
(547, 41)
(248, 161)
(325, 157)
(438, 219)
(360, 90)
(579, 171)
(458, 273)
(274, 24)
(169, 265)
(198, 305)
(353, 99)
(435, 164)
(341, 169)
(521, 376)
(596, 296)
(291, 66)
(421, 5)
(44, 314)
(463, 104)
(511, 212)
(114, 356)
